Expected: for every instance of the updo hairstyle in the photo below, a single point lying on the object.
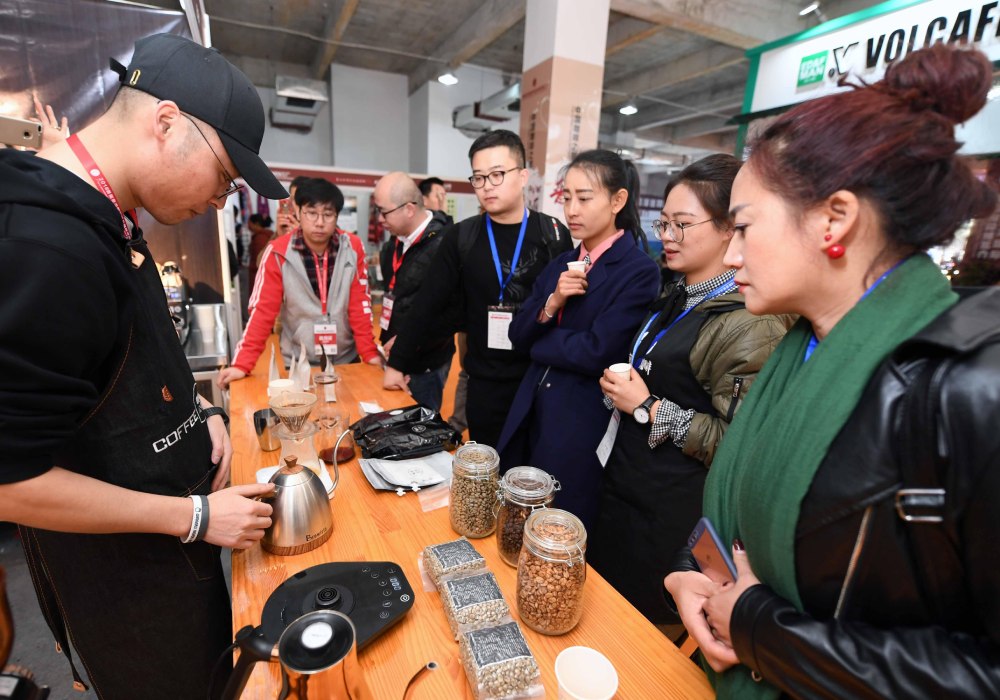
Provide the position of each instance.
(891, 143)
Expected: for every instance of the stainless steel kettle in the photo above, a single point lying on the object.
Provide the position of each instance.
(301, 520)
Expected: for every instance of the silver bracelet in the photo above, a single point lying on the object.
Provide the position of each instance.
(545, 311)
(199, 518)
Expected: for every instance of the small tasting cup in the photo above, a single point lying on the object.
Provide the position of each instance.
(585, 674)
(621, 368)
(578, 265)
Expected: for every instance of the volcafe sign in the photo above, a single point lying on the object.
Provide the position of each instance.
(862, 45)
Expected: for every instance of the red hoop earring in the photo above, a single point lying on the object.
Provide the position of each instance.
(835, 251)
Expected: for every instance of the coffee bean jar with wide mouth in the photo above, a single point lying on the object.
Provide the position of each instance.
(551, 571)
(522, 490)
(475, 471)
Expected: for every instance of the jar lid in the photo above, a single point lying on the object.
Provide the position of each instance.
(476, 457)
(528, 482)
(556, 531)
(326, 378)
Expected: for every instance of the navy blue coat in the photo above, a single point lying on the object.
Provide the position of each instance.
(558, 416)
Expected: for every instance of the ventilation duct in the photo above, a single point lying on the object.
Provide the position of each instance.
(297, 101)
(486, 114)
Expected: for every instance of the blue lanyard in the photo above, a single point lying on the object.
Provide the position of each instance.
(635, 349)
(496, 255)
(814, 341)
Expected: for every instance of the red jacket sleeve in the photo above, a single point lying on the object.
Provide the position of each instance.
(265, 303)
(359, 307)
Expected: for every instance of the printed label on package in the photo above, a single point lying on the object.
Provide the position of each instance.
(473, 590)
(452, 554)
(495, 645)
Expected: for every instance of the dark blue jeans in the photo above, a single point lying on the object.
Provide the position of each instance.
(428, 387)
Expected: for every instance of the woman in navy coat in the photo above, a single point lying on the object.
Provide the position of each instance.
(575, 324)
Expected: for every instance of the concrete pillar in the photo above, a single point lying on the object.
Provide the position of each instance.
(561, 85)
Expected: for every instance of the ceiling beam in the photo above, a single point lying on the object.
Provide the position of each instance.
(484, 26)
(691, 129)
(628, 31)
(333, 33)
(694, 65)
(705, 103)
(758, 21)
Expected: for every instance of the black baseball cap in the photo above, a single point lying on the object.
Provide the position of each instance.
(207, 86)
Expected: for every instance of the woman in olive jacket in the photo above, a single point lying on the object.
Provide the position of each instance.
(859, 482)
(693, 360)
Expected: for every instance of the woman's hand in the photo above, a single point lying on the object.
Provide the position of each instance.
(53, 131)
(625, 393)
(571, 283)
(691, 590)
(228, 375)
(719, 606)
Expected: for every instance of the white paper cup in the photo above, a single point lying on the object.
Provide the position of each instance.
(621, 368)
(585, 674)
(278, 386)
(578, 265)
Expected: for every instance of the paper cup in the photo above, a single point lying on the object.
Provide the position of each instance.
(278, 386)
(578, 265)
(585, 674)
(621, 368)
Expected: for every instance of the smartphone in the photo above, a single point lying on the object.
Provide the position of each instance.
(712, 556)
(20, 132)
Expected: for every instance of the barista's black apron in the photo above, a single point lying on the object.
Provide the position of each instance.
(147, 616)
(652, 498)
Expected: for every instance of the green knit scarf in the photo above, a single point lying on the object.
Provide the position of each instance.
(773, 448)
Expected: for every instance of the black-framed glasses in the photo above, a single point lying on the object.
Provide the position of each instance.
(495, 177)
(233, 187)
(314, 215)
(674, 229)
(380, 212)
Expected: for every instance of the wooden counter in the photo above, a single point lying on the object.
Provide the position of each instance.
(381, 526)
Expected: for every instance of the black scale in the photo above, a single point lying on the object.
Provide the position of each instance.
(375, 595)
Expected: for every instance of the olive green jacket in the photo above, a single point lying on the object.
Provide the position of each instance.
(731, 348)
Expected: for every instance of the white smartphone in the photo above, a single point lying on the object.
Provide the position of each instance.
(20, 132)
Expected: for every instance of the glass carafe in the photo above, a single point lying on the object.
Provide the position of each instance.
(299, 445)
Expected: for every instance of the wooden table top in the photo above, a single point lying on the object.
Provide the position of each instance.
(371, 525)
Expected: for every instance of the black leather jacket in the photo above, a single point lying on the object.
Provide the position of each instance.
(878, 623)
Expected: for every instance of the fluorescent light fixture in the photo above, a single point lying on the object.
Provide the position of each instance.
(811, 7)
(628, 109)
(447, 79)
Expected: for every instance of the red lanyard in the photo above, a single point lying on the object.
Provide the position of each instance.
(87, 161)
(397, 260)
(322, 277)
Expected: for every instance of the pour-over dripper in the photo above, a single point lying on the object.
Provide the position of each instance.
(293, 408)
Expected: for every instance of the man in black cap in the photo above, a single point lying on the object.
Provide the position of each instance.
(111, 463)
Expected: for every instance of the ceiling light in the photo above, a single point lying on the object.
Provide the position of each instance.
(811, 7)
(447, 79)
(628, 109)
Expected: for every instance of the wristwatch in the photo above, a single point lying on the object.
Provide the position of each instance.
(215, 411)
(641, 412)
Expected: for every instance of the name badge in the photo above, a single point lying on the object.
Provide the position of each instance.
(325, 337)
(498, 320)
(608, 441)
(387, 302)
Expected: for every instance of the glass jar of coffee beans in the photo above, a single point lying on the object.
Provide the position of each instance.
(551, 571)
(474, 469)
(522, 490)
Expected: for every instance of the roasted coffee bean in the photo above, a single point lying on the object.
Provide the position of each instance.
(510, 530)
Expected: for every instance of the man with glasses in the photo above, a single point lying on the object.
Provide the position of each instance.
(489, 263)
(405, 260)
(113, 466)
(317, 278)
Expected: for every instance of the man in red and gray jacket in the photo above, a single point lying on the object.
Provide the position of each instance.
(317, 278)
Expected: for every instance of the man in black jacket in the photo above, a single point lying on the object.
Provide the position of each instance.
(488, 262)
(112, 464)
(405, 259)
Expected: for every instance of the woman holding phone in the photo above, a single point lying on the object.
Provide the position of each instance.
(577, 322)
(859, 483)
(692, 361)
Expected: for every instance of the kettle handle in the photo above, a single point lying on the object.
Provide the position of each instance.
(253, 647)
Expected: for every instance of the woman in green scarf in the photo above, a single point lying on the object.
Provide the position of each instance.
(884, 385)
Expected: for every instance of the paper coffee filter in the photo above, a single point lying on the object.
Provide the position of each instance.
(407, 473)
